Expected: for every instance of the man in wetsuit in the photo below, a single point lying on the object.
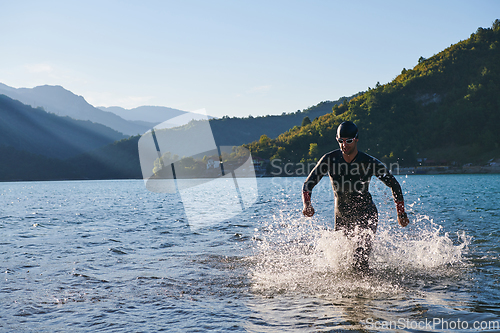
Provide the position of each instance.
(350, 172)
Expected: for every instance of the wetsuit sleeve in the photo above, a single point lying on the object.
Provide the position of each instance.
(382, 173)
(315, 176)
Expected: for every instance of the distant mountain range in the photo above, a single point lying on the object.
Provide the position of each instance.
(154, 115)
(151, 114)
(62, 102)
(66, 148)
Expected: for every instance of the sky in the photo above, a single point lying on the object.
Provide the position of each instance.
(235, 58)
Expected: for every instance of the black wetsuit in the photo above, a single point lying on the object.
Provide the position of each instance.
(354, 207)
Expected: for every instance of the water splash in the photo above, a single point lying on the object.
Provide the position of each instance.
(425, 248)
(293, 254)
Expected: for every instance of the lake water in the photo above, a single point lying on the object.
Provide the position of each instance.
(111, 256)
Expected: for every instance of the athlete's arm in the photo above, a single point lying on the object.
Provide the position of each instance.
(314, 177)
(382, 173)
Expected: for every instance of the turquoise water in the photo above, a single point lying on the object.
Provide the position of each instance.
(111, 256)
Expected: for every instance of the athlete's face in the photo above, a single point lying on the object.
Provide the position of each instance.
(348, 148)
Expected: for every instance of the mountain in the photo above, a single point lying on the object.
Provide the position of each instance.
(35, 131)
(118, 160)
(445, 110)
(63, 102)
(154, 115)
(150, 114)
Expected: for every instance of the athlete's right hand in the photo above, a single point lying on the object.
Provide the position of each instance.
(308, 210)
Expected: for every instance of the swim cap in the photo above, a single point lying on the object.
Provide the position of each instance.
(347, 130)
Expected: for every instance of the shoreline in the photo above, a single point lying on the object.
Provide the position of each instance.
(447, 170)
(471, 170)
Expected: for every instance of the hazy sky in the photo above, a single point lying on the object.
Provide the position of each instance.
(235, 58)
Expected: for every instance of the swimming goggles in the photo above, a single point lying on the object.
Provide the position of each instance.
(348, 141)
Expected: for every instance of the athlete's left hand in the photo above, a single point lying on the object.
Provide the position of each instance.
(308, 210)
(403, 220)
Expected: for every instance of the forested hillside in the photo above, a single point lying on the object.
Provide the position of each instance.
(447, 108)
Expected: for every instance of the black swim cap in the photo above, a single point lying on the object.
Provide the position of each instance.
(347, 130)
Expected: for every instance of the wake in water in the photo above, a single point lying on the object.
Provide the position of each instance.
(296, 255)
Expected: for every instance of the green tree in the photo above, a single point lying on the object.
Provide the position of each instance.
(496, 25)
(166, 160)
(264, 140)
(313, 150)
(305, 121)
